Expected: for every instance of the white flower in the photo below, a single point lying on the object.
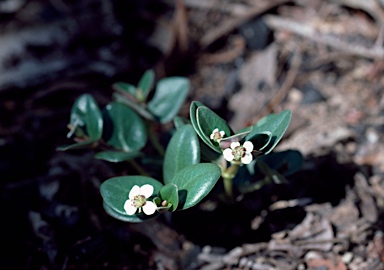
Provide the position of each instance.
(217, 135)
(239, 153)
(138, 200)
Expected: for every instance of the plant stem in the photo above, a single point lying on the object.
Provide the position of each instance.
(155, 140)
(228, 176)
(138, 168)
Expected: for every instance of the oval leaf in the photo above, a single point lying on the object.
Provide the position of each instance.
(195, 182)
(145, 85)
(128, 129)
(207, 121)
(193, 116)
(85, 113)
(115, 191)
(117, 156)
(183, 150)
(126, 218)
(277, 124)
(169, 193)
(125, 88)
(78, 145)
(169, 96)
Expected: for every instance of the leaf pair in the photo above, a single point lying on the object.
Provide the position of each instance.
(186, 181)
(188, 187)
(169, 96)
(264, 135)
(120, 126)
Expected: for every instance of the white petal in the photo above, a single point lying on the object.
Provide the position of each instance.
(247, 159)
(248, 146)
(234, 145)
(222, 133)
(213, 133)
(146, 190)
(149, 208)
(129, 208)
(227, 153)
(134, 192)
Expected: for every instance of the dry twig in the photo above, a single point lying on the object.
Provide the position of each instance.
(311, 33)
(230, 25)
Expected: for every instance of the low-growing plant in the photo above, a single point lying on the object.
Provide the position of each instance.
(201, 151)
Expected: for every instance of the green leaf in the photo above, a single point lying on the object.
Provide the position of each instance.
(145, 85)
(180, 121)
(195, 182)
(117, 156)
(276, 124)
(285, 162)
(79, 145)
(169, 96)
(125, 88)
(126, 218)
(183, 150)
(86, 114)
(139, 108)
(169, 193)
(193, 116)
(128, 129)
(261, 140)
(207, 121)
(115, 192)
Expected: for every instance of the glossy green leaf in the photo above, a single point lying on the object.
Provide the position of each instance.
(139, 108)
(207, 121)
(117, 156)
(195, 182)
(125, 87)
(115, 192)
(277, 124)
(145, 85)
(128, 129)
(180, 121)
(183, 150)
(193, 116)
(169, 96)
(86, 114)
(169, 193)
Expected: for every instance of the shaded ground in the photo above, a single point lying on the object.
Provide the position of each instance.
(245, 59)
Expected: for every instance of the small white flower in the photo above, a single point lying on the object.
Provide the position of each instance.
(217, 135)
(137, 199)
(239, 153)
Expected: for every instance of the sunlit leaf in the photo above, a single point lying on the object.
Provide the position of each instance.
(115, 192)
(183, 150)
(195, 182)
(276, 124)
(169, 96)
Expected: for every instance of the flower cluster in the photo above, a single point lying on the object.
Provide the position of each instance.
(239, 153)
(137, 200)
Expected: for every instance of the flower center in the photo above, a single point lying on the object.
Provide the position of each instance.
(217, 136)
(238, 153)
(138, 201)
